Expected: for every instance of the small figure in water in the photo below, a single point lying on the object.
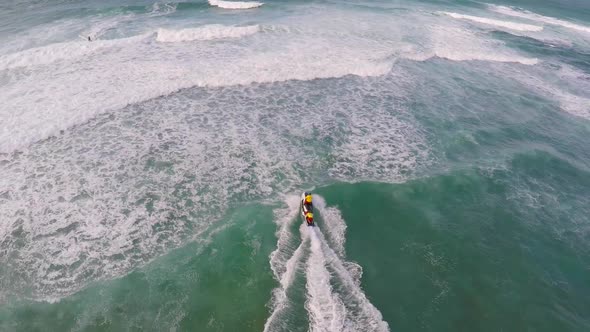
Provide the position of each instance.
(89, 39)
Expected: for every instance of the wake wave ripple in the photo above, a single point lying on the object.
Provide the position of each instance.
(334, 300)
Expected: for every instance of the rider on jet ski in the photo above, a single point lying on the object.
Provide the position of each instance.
(308, 208)
(309, 218)
(307, 202)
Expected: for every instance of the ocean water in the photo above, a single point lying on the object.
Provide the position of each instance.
(150, 177)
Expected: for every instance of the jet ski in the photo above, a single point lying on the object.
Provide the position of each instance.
(305, 209)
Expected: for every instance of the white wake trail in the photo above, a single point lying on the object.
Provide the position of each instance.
(280, 300)
(361, 314)
(335, 300)
(326, 310)
(283, 266)
(284, 218)
(334, 225)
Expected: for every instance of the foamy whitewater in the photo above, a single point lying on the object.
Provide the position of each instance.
(235, 4)
(205, 33)
(497, 23)
(153, 154)
(539, 18)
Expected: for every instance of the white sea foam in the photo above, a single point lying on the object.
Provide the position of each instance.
(101, 197)
(574, 104)
(334, 224)
(515, 12)
(108, 78)
(497, 23)
(280, 300)
(284, 218)
(111, 74)
(208, 32)
(101, 26)
(235, 4)
(457, 44)
(388, 150)
(335, 300)
(567, 86)
(457, 55)
(110, 194)
(291, 266)
(75, 50)
(326, 310)
(163, 8)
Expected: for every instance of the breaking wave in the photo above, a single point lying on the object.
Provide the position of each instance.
(208, 32)
(460, 56)
(111, 194)
(116, 70)
(457, 44)
(498, 23)
(515, 12)
(235, 4)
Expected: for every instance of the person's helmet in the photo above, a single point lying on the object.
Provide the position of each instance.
(309, 216)
(308, 199)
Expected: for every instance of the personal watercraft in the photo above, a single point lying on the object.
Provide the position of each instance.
(305, 209)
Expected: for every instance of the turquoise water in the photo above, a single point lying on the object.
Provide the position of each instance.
(151, 176)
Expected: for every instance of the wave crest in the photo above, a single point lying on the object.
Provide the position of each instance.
(461, 45)
(208, 32)
(539, 18)
(460, 56)
(498, 23)
(235, 4)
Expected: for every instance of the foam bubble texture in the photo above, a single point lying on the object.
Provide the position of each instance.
(334, 224)
(108, 186)
(325, 308)
(335, 300)
(41, 98)
(208, 32)
(106, 196)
